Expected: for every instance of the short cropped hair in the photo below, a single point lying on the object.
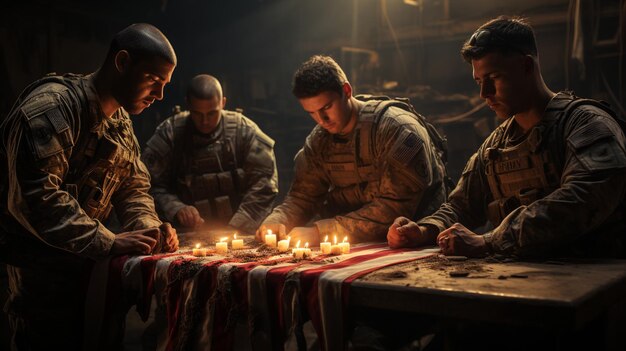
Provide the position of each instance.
(142, 41)
(204, 87)
(506, 35)
(316, 75)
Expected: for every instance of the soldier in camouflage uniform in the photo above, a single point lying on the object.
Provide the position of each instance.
(366, 162)
(550, 178)
(70, 157)
(210, 164)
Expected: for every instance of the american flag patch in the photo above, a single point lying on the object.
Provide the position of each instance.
(406, 147)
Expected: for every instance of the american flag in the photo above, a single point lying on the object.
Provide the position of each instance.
(206, 297)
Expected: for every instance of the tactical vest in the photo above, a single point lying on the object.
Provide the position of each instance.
(350, 166)
(101, 159)
(210, 176)
(521, 174)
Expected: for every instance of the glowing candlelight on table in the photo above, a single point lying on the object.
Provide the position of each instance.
(270, 239)
(198, 251)
(283, 245)
(236, 243)
(307, 250)
(345, 246)
(297, 252)
(325, 246)
(335, 249)
(222, 246)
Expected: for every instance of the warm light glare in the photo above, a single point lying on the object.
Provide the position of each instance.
(335, 240)
(345, 240)
(326, 238)
(269, 231)
(235, 236)
(306, 245)
(197, 245)
(223, 239)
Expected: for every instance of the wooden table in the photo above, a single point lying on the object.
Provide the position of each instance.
(564, 297)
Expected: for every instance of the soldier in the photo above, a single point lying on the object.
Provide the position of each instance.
(550, 178)
(366, 162)
(210, 164)
(69, 156)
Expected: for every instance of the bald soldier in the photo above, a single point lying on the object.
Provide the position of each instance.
(70, 157)
(211, 165)
(367, 161)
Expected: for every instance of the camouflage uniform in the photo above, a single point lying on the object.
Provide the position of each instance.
(387, 167)
(67, 165)
(229, 175)
(558, 189)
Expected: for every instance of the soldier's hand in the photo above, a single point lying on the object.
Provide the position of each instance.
(458, 240)
(306, 235)
(189, 217)
(276, 228)
(405, 233)
(138, 242)
(170, 237)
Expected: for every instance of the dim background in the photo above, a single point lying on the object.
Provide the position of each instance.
(393, 47)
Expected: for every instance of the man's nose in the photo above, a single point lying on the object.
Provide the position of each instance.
(486, 90)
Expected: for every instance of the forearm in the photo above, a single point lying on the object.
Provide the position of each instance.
(256, 204)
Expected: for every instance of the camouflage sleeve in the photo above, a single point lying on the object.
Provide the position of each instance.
(467, 202)
(38, 148)
(404, 162)
(592, 187)
(307, 192)
(157, 157)
(262, 183)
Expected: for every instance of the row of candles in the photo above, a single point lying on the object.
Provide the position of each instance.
(326, 247)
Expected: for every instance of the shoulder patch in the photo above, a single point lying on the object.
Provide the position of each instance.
(406, 147)
(49, 133)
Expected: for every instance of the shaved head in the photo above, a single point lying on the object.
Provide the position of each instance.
(142, 41)
(204, 87)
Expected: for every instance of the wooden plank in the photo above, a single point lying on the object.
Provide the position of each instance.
(564, 296)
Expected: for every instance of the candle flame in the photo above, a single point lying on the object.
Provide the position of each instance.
(234, 236)
(288, 238)
(345, 240)
(335, 240)
(298, 244)
(269, 231)
(223, 239)
(197, 245)
(306, 245)
(326, 238)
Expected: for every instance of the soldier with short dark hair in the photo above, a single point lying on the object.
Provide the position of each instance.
(550, 178)
(369, 160)
(70, 157)
(210, 164)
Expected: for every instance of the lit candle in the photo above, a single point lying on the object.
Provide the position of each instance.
(325, 246)
(236, 243)
(270, 239)
(335, 249)
(345, 246)
(283, 245)
(297, 252)
(222, 246)
(307, 251)
(198, 251)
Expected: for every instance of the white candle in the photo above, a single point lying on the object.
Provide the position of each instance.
(283, 245)
(335, 250)
(270, 239)
(345, 246)
(236, 243)
(198, 251)
(325, 246)
(297, 252)
(222, 246)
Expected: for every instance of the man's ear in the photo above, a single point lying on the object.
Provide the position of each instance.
(347, 90)
(223, 101)
(122, 61)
